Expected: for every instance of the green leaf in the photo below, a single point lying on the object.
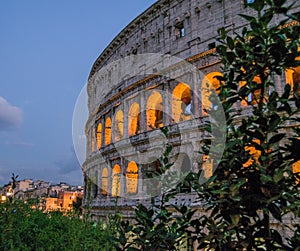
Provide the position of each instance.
(248, 18)
(275, 211)
(235, 219)
(276, 138)
(230, 43)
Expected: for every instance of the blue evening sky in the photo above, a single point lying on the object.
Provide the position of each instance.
(47, 48)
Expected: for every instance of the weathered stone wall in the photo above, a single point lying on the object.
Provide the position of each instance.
(186, 29)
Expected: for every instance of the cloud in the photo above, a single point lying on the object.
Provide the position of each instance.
(20, 143)
(68, 163)
(10, 116)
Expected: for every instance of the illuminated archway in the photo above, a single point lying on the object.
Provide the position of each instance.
(132, 178)
(99, 135)
(116, 180)
(296, 171)
(154, 111)
(293, 77)
(119, 125)
(104, 182)
(253, 152)
(181, 102)
(210, 83)
(107, 131)
(134, 119)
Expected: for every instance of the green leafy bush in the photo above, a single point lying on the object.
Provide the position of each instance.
(24, 228)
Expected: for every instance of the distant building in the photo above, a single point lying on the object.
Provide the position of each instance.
(52, 197)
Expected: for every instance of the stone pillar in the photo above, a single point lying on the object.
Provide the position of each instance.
(143, 116)
(167, 104)
(140, 190)
(196, 88)
(123, 177)
(125, 122)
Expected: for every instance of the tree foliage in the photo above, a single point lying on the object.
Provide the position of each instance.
(254, 185)
(24, 228)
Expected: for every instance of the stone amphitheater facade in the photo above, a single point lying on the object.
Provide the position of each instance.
(125, 110)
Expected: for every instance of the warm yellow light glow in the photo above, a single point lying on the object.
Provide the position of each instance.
(104, 182)
(181, 98)
(296, 170)
(99, 135)
(134, 119)
(132, 178)
(255, 154)
(207, 166)
(116, 179)
(119, 125)
(209, 83)
(107, 131)
(293, 76)
(154, 111)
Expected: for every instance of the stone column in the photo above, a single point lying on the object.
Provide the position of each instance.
(143, 115)
(167, 104)
(196, 87)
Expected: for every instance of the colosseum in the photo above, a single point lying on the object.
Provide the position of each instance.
(152, 76)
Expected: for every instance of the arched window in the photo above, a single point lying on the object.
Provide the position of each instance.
(119, 125)
(116, 180)
(293, 77)
(99, 135)
(154, 111)
(181, 103)
(254, 97)
(210, 84)
(107, 131)
(134, 119)
(132, 178)
(104, 182)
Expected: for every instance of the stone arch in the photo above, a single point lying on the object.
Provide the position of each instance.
(210, 83)
(116, 181)
(107, 131)
(119, 125)
(132, 178)
(99, 135)
(134, 119)
(181, 102)
(104, 182)
(293, 76)
(154, 111)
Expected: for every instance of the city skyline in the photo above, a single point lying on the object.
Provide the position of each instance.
(47, 51)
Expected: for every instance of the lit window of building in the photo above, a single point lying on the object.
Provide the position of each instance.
(181, 102)
(119, 125)
(107, 131)
(154, 111)
(132, 178)
(99, 135)
(116, 181)
(134, 119)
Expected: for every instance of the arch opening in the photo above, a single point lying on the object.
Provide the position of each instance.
(132, 178)
(154, 111)
(119, 125)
